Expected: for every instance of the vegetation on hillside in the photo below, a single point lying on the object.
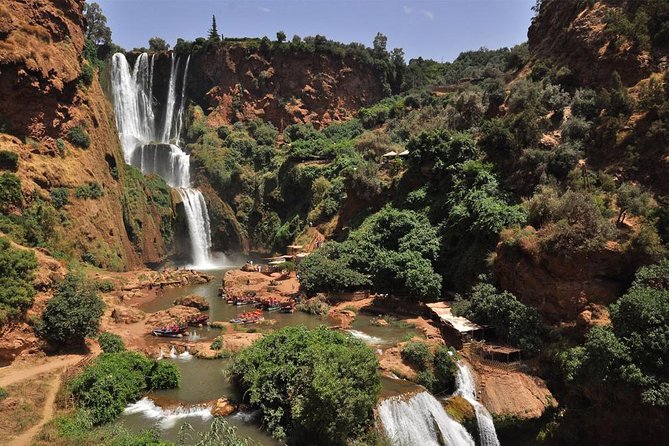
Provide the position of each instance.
(313, 386)
(16, 277)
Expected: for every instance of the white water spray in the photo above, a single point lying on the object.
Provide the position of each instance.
(466, 388)
(364, 337)
(420, 420)
(166, 418)
(151, 152)
(173, 352)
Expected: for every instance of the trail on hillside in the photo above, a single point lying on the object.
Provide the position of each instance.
(25, 439)
(12, 375)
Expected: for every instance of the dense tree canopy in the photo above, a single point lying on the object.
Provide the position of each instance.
(96, 24)
(318, 386)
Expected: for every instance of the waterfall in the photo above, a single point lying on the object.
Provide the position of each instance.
(160, 153)
(466, 388)
(167, 418)
(420, 420)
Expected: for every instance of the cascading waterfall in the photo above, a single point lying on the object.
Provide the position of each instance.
(466, 388)
(159, 152)
(420, 420)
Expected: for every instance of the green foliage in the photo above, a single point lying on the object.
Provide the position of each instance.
(445, 369)
(9, 160)
(16, 276)
(111, 343)
(72, 314)
(10, 192)
(86, 78)
(97, 31)
(106, 286)
(633, 199)
(634, 350)
(115, 380)
(79, 137)
(60, 197)
(417, 354)
(512, 321)
(316, 385)
(3, 394)
(378, 113)
(319, 273)
(90, 190)
(157, 44)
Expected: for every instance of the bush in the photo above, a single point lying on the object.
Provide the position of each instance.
(445, 369)
(320, 386)
(106, 286)
(3, 394)
(10, 192)
(319, 273)
(90, 190)
(9, 160)
(72, 314)
(60, 197)
(87, 75)
(115, 380)
(16, 275)
(417, 354)
(111, 343)
(514, 322)
(79, 137)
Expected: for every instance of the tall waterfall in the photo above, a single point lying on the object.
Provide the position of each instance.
(466, 388)
(154, 147)
(420, 420)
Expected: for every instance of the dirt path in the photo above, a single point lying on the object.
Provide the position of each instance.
(11, 375)
(25, 439)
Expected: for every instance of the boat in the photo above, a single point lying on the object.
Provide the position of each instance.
(288, 307)
(171, 331)
(269, 305)
(250, 317)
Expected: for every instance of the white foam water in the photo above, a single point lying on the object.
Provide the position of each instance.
(464, 383)
(166, 418)
(371, 340)
(160, 152)
(420, 420)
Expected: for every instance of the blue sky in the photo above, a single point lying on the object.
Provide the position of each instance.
(436, 29)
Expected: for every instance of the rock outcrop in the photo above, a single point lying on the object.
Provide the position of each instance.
(42, 97)
(193, 301)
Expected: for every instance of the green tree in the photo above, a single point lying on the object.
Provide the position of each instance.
(10, 192)
(379, 46)
(631, 198)
(72, 314)
(316, 385)
(280, 36)
(16, 275)
(96, 24)
(158, 44)
(213, 34)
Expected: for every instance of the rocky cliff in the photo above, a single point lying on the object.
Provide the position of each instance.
(42, 97)
(238, 81)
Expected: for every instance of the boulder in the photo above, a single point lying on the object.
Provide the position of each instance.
(223, 407)
(127, 315)
(343, 318)
(174, 315)
(193, 301)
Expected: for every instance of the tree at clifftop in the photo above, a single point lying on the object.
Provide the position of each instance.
(96, 25)
(213, 31)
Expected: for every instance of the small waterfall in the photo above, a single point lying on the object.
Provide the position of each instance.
(166, 418)
(364, 337)
(161, 355)
(466, 388)
(185, 355)
(420, 420)
(199, 227)
(173, 353)
(144, 148)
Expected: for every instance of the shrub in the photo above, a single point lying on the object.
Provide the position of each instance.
(72, 314)
(79, 137)
(445, 369)
(317, 385)
(87, 74)
(90, 190)
(512, 321)
(111, 343)
(106, 286)
(60, 144)
(417, 354)
(10, 192)
(9, 160)
(3, 394)
(60, 197)
(115, 380)
(16, 275)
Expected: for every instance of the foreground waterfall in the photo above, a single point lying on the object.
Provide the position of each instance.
(157, 152)
(467, 389)
(421, 420)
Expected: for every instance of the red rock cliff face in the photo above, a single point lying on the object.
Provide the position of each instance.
(41, 42)
(236, 83)
(572, 34)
